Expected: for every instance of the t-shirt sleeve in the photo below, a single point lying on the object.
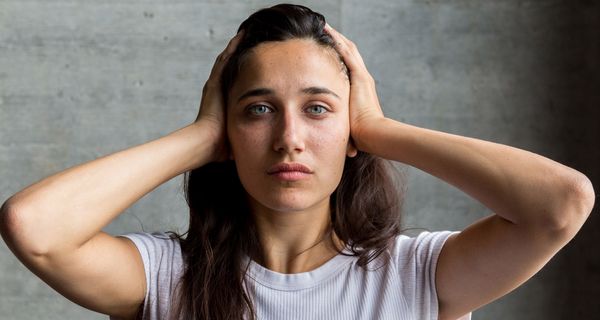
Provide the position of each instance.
(162, 260)
(417, 260)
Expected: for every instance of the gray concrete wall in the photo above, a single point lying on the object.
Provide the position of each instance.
(81, 79)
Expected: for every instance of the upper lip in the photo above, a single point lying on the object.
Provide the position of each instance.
(289, 166)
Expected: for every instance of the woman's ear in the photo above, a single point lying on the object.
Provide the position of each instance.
(351, 150)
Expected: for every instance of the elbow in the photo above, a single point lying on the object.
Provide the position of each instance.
(584, 196)
(574, 207)
(8, 221)
(15, 226)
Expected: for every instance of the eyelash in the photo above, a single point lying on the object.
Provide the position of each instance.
(251, 109)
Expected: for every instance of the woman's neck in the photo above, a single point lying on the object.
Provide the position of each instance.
(296, 241)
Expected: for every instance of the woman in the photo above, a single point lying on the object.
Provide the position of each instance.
(285, 185)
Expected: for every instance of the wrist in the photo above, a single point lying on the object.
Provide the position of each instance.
(199, 143)
(366, 136)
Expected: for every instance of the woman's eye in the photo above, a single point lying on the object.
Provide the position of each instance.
(316, 109)
(259, 109)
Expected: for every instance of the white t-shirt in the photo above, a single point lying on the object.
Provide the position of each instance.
(338, 289)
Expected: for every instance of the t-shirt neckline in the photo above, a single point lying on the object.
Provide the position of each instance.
(297, 281)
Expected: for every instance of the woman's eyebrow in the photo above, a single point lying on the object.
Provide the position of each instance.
(319, 90)
(267, 91)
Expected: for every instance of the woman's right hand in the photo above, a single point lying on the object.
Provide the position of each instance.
(212, 109)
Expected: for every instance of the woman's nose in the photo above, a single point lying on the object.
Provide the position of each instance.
(288, 136)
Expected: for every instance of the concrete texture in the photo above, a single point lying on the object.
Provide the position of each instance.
(81, 79)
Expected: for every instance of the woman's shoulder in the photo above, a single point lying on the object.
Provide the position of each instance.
(163, 265)
(157, 249)
(154, 241)
(419, 248)
(158, 235)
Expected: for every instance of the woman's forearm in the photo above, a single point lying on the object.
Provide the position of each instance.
(63, 211)
(518, 185)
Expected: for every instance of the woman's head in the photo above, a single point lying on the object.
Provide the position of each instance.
(289, 105)
(287, 93)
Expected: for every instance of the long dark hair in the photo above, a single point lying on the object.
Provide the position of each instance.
(365, 207)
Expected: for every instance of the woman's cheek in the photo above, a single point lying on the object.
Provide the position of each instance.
(246, 135)
(331, 135)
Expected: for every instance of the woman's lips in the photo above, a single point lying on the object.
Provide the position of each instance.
(290, 175)
(292, 171)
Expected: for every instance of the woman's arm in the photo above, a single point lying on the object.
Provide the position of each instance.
(522, 187)
(54, 226)
(64, 211)
(539, 204)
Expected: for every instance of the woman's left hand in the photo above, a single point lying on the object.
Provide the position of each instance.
(365, 111)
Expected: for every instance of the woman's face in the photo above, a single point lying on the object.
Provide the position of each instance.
(289, 105)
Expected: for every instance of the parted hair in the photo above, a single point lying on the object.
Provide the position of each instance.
(365, 207)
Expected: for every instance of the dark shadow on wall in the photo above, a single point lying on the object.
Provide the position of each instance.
(574, 98)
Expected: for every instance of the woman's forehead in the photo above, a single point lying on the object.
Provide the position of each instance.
(291, 64)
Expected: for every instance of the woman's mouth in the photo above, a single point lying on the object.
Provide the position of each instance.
(292, 171)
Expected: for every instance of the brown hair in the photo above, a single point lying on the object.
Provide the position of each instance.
(365, 207)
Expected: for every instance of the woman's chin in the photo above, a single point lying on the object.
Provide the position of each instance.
(286, 206)
(289, 203)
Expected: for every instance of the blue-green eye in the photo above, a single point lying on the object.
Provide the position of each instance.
(317, 109)
(259, 109)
